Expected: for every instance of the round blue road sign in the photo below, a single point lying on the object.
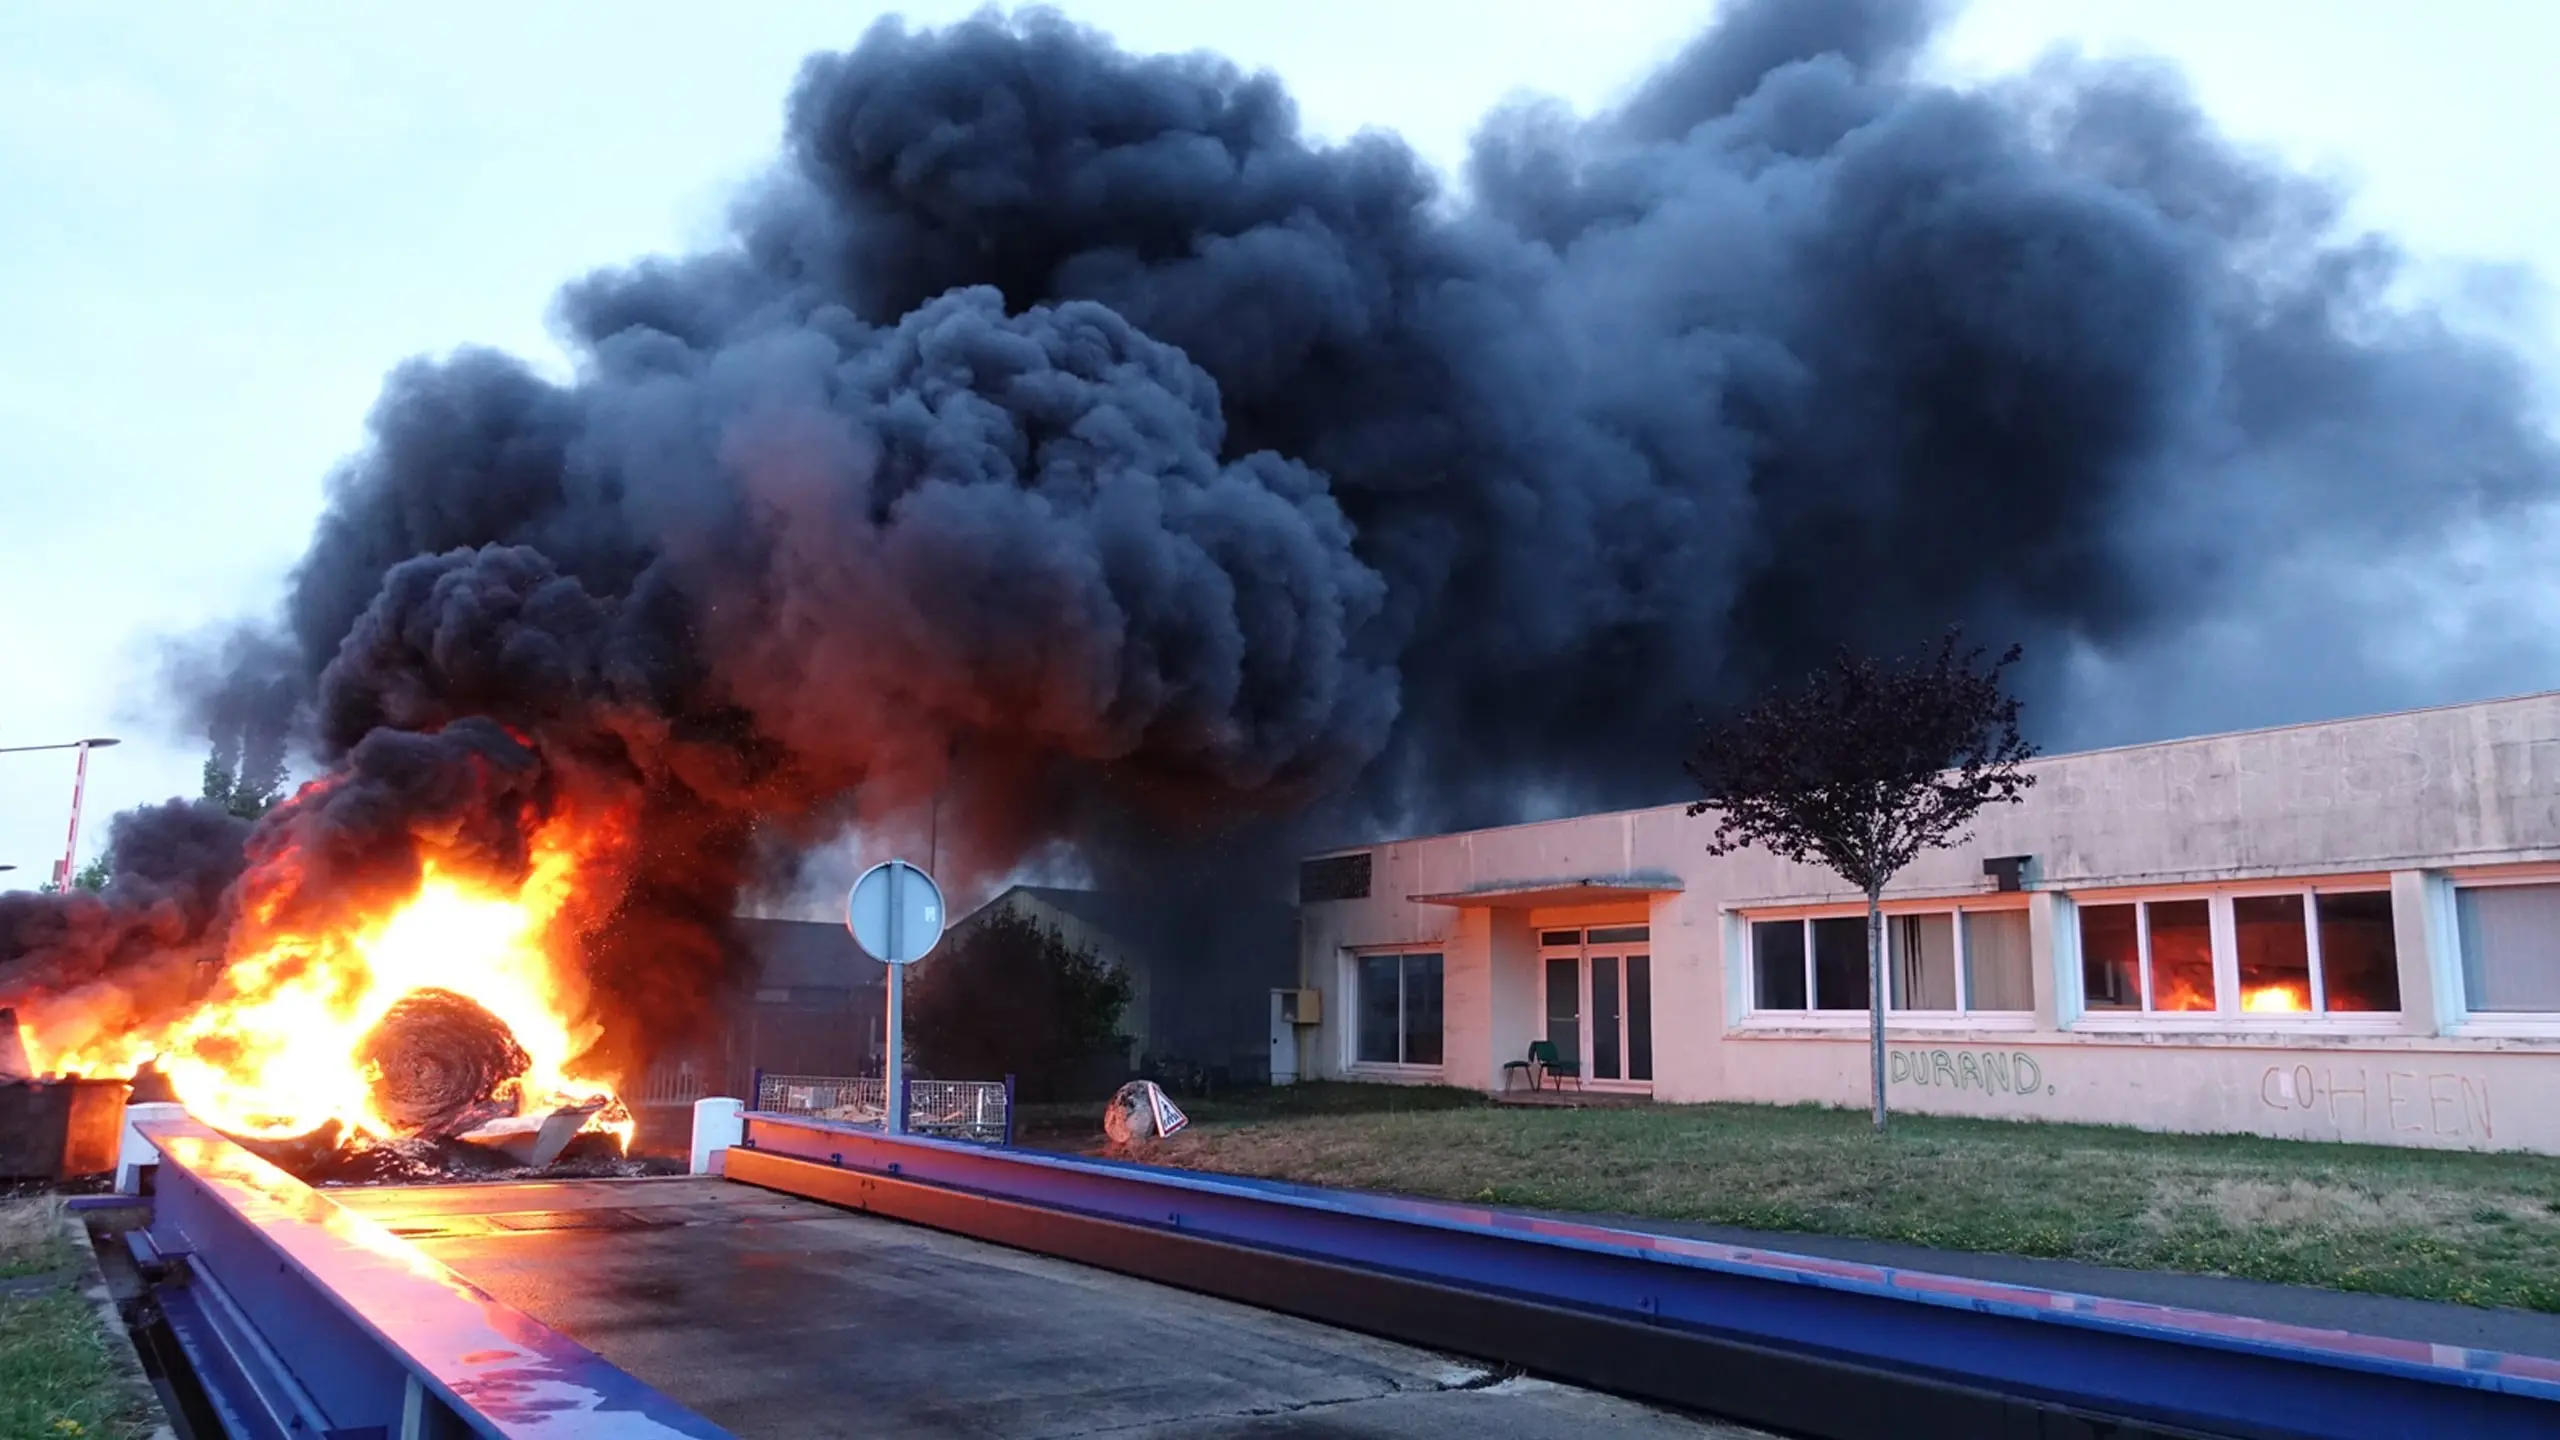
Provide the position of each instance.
(895, 912)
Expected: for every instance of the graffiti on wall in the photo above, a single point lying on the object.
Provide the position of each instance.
(1994, 1072)
(2385, 1104)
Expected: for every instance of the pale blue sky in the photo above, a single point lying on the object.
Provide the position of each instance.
(219, 226)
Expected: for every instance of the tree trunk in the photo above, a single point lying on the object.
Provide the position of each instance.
(1875, 997)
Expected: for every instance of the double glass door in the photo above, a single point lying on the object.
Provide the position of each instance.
(1599, 985)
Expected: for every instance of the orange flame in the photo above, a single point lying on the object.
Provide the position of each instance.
(272, 1052)
(2286, 996)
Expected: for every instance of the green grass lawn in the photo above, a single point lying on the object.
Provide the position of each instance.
(58, 1377)
(2471, 1228)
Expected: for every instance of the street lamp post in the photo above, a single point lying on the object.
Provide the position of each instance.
(70, 863)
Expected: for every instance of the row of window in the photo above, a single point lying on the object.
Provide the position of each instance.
(2312, 952)
(2294, 953)
(1944, 962)
(2306, 952)
(2301, 952)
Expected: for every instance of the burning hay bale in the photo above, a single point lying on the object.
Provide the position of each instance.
(442, 1065)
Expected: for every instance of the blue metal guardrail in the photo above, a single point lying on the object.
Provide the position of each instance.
(304, 1319)
(2175, 1370)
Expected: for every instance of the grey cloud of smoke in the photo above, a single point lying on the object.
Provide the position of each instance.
(1065, 434)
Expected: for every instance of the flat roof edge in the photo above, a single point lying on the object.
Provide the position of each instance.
(1560, 891)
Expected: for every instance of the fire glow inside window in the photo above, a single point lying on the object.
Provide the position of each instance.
(2180, 933)
(2298, 952)
(1398, 1004)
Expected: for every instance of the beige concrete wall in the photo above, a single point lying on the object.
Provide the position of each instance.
(2399, 799)
(1517, 1004)
(1328, 933)
(1466, 1000)
(2373, 1092)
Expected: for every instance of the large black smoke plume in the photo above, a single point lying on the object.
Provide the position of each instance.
(1203, 489)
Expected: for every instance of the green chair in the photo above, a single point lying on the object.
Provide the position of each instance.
(1542, 1064)
(1543, 1054)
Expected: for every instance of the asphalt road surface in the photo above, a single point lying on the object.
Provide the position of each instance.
(780, 1317)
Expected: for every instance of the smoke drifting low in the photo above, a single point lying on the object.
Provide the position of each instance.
(108, 961)
(1203, 489)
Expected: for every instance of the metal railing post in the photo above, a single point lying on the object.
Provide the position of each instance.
(1008, 1111)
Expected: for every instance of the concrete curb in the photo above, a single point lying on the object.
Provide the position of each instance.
(93, 1288)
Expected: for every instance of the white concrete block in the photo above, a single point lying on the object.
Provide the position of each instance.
(133, 1153)
(718, 1123)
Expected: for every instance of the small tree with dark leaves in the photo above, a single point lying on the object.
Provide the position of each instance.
(1007, 995)
(1863, 769)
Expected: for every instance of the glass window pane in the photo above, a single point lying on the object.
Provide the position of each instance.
(2275, 953)
(1564, 1008)
(1840, 963)
(1998, 970)
(2359, 953)
(1374, 1039)
(1639, 1017)
(2110, 958)
(1777, 964)
(1422, 1009)
(2181, 954)
(1620, 935)
(1922, 952)
(2510, 946)
(1571, 938)
(1604, 1017)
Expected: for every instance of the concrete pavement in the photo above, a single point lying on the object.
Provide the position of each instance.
(776, 1316)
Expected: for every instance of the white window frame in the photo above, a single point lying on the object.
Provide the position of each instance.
(2489, 1024)
(2223, 927)
(1963, 1016)
(1351, 1061)
(1580, 953)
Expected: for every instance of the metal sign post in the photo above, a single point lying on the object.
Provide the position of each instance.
(895, 913)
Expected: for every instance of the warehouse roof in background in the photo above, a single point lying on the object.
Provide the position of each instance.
(805, 955)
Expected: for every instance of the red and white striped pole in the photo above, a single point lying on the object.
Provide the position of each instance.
(70, 866)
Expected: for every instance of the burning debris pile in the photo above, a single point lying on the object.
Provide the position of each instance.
(390, 1025)
(448, 1085)
(1074, 413)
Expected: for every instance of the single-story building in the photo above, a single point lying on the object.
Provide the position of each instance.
(2339, 931)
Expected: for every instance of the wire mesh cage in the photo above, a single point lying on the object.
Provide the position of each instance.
(980, 1110)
